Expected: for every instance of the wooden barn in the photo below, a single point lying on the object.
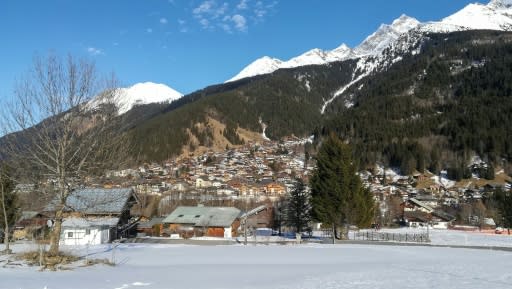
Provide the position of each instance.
(200, 221)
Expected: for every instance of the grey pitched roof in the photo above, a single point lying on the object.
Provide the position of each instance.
(203, 216)
(25, 215)
(443, 215)
(96, 201)
(421, 204)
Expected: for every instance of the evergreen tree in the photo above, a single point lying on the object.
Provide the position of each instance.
(338, 196)
(503, 201)
(298, 209)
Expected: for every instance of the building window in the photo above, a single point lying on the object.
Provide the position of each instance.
(70, 234)
(87, 231)
(180, 216)
(197, 216)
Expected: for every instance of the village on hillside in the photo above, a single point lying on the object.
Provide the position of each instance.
(241, 192)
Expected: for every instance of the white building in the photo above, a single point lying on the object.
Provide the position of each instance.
(81, 231)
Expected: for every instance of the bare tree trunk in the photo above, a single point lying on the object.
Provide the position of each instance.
(6, 221)
(56, 231)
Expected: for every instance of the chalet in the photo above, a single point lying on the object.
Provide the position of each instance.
(436, 219)
(200, 221)
(416, 218)
(96, 216)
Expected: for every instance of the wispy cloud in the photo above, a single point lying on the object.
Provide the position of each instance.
(149, 30)
(182, 26)
(95, 51)
(205, 23)
(214, 14)
(243, 5)
(163, 20)
(240, 22)
(261, 9)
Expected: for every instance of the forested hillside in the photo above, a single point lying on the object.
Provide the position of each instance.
(288, 102)
(435, 109)
(431, 109)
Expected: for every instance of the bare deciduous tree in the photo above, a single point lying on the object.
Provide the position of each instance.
(59, 134)
(8, 205)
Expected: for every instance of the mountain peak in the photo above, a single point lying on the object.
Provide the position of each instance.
(145, 93)
(260, 66)
(386, 34)
(404, 23)
(138, 94)
(314, 56)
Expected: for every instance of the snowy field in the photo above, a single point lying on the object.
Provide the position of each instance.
(275, 266)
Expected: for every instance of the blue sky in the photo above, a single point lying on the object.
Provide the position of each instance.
(189, 44)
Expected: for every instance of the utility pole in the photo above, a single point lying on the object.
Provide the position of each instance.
(245, 231)
(245, 223)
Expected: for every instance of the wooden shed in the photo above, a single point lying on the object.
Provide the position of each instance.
(201, 221)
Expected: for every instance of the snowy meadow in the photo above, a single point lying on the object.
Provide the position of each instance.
(272, 266)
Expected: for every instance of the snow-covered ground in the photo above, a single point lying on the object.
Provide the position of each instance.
(276, 266)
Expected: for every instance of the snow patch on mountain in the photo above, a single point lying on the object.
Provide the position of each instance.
(342, 90)
(263, 129)
(141, 93)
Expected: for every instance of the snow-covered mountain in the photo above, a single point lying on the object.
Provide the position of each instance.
(140, 93)
(385, 35)
(315, 56)
(260, 66)
(496, 15)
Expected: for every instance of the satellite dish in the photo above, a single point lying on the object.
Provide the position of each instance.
(49, 223)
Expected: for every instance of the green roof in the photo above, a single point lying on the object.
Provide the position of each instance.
(203, 216)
